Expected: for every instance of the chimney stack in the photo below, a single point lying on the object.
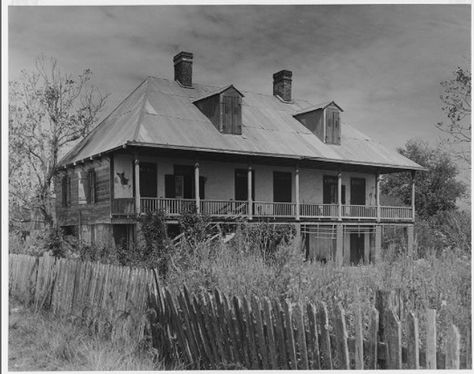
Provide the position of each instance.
(282, 85)
(183, 68)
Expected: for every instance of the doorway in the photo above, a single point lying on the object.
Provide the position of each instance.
(148, 180)
(357, 248)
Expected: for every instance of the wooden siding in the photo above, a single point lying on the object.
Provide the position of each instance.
(211, 109)
(313, 121)
(80, 212)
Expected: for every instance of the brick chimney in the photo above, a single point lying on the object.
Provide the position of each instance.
(183, 68)
(282, 85)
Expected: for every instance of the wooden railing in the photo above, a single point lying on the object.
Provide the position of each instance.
(359, 211)
(223, 207)
(318, 210)
(269, 209)
(227, 208)
(396, 212)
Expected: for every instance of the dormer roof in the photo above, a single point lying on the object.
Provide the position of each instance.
(323, 105)
(218, 92)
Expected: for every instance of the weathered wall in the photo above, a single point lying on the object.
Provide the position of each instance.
(79, 210)
(123, 176)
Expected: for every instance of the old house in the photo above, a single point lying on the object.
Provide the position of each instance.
(229, 152)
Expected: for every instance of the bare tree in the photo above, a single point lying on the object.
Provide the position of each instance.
(48, 111)
(456, 99)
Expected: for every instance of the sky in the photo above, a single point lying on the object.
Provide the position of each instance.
(382, 64)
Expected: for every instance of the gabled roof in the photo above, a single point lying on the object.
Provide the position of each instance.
(161, 113)
(218, 92)
(319, 106)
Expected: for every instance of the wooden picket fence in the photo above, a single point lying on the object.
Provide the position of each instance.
(110, 299)
(211, 330)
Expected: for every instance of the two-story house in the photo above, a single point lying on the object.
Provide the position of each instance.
(172, 144)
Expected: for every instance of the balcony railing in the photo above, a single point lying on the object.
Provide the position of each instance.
(232, 208)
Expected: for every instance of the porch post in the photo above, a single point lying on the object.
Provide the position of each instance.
(410, 239)
(137, 185)
(297, 191)
(413, 173)
(196, 187)
(378, 244)
(339, 244)
(377, 194)
(339, 196)
(249, 191)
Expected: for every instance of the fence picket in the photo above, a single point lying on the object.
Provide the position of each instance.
(431, 339)
(290, 338)
(453, 348)
(341, 359)
(372, 351)
(262, 346)
(393, 336)
(301, 337)
(233, 349)
(270, 334)
(325, 342)
(313, 341)
(359, 338)
(413, 349)
(250, 333)
(279, 327)
(242, 331)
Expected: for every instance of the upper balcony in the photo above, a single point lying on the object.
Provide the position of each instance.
(263, 209)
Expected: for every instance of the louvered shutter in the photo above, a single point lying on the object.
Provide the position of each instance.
(337, 129)
(202, 185)
(237, 115)
(64, 190)
(227, 115)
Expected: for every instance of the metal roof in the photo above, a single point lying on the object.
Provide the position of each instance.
(160, 112)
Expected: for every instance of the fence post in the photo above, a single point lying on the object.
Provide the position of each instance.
(413, 350)
(453, 348)
(431, 339)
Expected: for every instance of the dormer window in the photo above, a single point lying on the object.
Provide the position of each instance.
(224, 109)
(324, 121)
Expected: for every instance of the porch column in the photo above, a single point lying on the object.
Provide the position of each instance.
(378, 244)
(413, 173)
(297, 191)
(339, 196)
(196, 187)
(137, 185)
(377, 195)
(339, 244)
(410, 230)
(249, 191)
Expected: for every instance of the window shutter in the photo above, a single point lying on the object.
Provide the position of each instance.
(227, 115)
(169, 186)
(91, 187)
(329, 128)
(237, 116)
(68, 190)
(337, 129)
(202, 184)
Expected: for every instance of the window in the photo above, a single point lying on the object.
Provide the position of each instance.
(66, 190)
(329, 189)
(91, 190)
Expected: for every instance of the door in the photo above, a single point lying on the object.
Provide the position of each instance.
(356, 248)
(357, 191)
(241, 185)
(282, 193)
(148, 180)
